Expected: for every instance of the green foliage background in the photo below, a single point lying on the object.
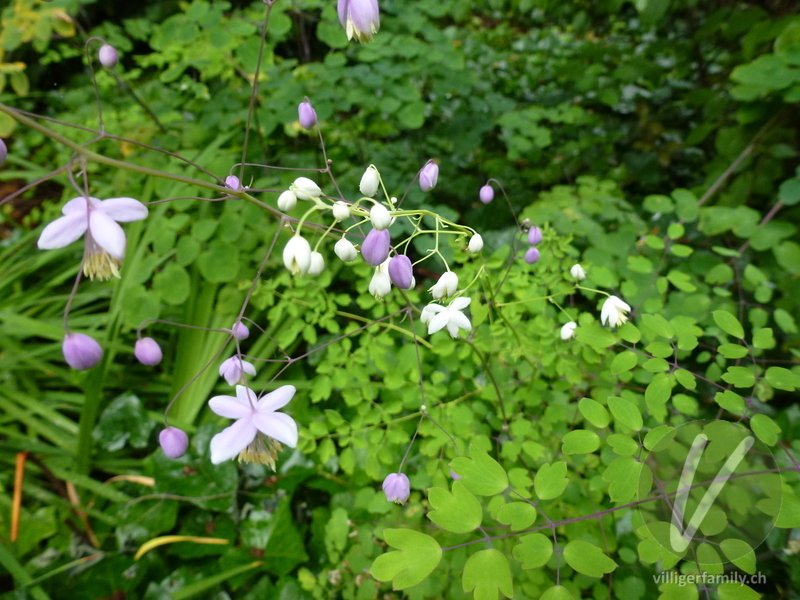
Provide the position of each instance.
(655, 142)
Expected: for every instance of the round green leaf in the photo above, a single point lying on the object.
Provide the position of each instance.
(580, 441)
(481, 474)
(594, 412)
(728, 323)
(416, 557)
(588, 559)
(533, 551)
(765, 429)
(489, 574)
(625, 412)
(459, 512)
(624, 361)
(518, 515)
(551, 480)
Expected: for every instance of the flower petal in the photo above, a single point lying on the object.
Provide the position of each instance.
(434, 308)
(277, 399)
(460, 303)
(230, 407)
(232, 440)
(438, 322)
(123, 210)
(107, 234)
(461, 320)
(63, 231)
(278, 426)
(77, 205)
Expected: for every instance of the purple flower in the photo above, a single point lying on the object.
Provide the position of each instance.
(487, 194)
(532, 255)
(396, 487)
(361, 19)
(3, 152)
(108, 56)
(375, 248)
(307, 115)
(80, 351)
(240, 331)
(173, 442)
(232, 182)
(400, 271)
(428, 176)
(234, 368)
(147, 351)
(534, 235)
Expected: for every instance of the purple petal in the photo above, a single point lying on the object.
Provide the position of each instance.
(277, 399)
(343, 7)
(107, 234)
(232, 440)
(123, 210)
(77, 205)
(278, 426)
(365, 15)
(230, 407)
(63, 231)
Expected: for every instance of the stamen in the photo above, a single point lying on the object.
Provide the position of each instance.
(263, 450)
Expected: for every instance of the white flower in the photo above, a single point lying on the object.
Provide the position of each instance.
(105, 240)
(341, 210)
(345, 250)
(450, 317)
(297, 255)
(317, 265)
(258, 432)
(614, 312)
(305, 189)
(234, 369)
(380, 217)
(475, 243)
(380, 285)
(577, 272)
(287, 201)
(446, 286)
(568, 330)
(369, 182)
(427, 314)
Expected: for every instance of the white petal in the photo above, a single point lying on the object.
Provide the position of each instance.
(247, 367)
(123, 210)
(438, 322)
(108, 235)
(278, 426)
(460, 303)
(434, 308)
(77, 205)
(461, 320)
(277, 399)
(232, 440)
(63, 231)
(230, 407)
(452, 328)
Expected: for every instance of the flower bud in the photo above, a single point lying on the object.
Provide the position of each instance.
(3, 152)
(532, 256)
(297, 255)
(307, 115)
(173, 442)
(577, 272)
(234, 368)
(396, 487)
(428, 176)
(380, 217)
(369, 182)
(568, 330)
(534, 235)
(240, 331)
(401, 272)
(380, 285)
(80, 351)
(360, 18)
(317, 265)
(108, 56)
(345, 250)
(305, 189)
(147, 351)
(475, 243)
(232, 182)
(375, 248)
(341, 210)
(487, 194)
(287, 201)
(446, 286)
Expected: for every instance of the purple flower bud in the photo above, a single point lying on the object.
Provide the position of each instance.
(240, 331)
(173, 441)
(360, 18)
(534, 235)
(80, 351)
(375, 248)
(400, 271)
(3, 152)
(232, 182)
(454, 475)
(234, 369)
(108, 56)
(487, 194)
(147, 351)
(532, 255)
(396, 487)
(307, 115)
(428, 176)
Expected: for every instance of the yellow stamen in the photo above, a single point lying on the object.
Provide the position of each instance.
(263, 450)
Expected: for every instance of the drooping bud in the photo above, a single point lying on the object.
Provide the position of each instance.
(428, 176)
(305, 189)
(234, 369)
(345, 250)
(297, 255)
(396, 487)
(287, 201)
(380, 217)
(534, 235)
(577, 272)
(147, 351)
(446, 286)
(401, 272)
(306, 115)
(317, 265)
(240, 331)
(360, 18)
(232, 182)
(380, 285)
(80, 351)
(375, 248)
(487, 194)
(108, 56)
(173, 442)
(475, 243)
(568, 330)
(3, 152)
(369, 182)
(341, 210)
(532, 255)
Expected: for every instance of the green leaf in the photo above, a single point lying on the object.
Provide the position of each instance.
(123, 422)
(789, 515)
(733, 351)
(736, 591)
(594, 412)
(623, 476)
(658, 391)
(481, 474)
(686, 378)
(488, 573)
(782, 379)
(625, 412)
(459, 512)
(785, 321)
(588, 559)
(416, 558)
(580, 441)
(624, 361)
(681, 280)
(533, 551)
(551, 481)
(730, 401)
(678, 591)
(766, 430)
(622, 444)
(763, 339)
(739, 553)
(789, 192)
(662, 434)
(728, 323)
(630, 333)
(658, 324)
(594, 335)
(740, 377)
(557, 592)
(518, 515)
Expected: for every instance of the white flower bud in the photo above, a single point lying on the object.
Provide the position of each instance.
(380, 217)
(476, 243)
(305, 189)
(297, 255)
(577, 272)
(446, 286)
(287, 201)
(369, 182)
(345, 250)
(568, 330)
(341, 211)
(317, 265)
(380, 286)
